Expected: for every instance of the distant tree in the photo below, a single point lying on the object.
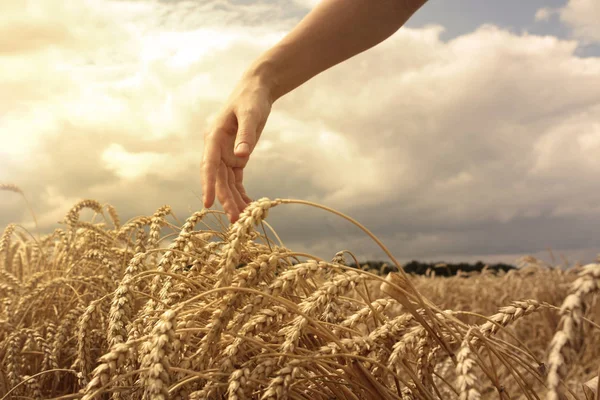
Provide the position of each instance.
(440, 268)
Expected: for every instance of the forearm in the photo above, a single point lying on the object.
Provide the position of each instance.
(332, 32)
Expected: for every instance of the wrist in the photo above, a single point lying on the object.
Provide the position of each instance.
(264, 74)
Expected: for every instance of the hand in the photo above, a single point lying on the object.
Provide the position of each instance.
(229, 143)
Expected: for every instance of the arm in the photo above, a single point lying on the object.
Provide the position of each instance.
(332, 32)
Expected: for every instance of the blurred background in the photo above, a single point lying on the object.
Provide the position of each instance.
(473, 133)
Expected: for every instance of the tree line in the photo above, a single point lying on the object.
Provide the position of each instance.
(440, 268)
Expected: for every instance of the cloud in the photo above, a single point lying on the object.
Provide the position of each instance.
(134, 165)
(307, 3)
(53, 24)
(543, 14)
(484, 145)
(582, 17)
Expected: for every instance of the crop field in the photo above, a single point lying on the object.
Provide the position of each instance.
(158, 308)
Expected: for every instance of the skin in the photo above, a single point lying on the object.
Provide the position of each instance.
(334, 31)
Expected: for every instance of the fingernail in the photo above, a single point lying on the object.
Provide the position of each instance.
(243, 147)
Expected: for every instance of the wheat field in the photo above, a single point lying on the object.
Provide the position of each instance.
(158, 309)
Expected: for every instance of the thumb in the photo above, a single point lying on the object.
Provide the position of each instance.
(245, 139)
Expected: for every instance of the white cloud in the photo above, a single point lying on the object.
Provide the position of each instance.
(583, 17)
(569, 150)
(307, 3)
(133, 165)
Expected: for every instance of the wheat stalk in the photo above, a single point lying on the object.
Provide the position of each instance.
(571, 324)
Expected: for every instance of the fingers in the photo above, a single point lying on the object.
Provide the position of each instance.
(224, 193)
(229, 194)
(238, 174)
(222, 174)
(241, 204)
(245, 139)
(211, 160)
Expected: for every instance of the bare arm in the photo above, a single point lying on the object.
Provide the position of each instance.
(332, 32)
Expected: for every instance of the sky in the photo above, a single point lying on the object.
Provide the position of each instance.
(473, 133)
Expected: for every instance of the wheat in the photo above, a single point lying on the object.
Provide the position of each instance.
(570, 334)
(279, 385)
(237, 379)
(112, 211)
(121, 309)
(162, 345)
(108, 366)
(9, 187)
(509, 314)
(104, 310)
(465, 379)
(86, 324)
(72, 216)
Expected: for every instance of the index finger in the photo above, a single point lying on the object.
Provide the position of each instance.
(211, 159)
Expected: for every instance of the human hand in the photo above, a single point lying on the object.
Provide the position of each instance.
(230, 141)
